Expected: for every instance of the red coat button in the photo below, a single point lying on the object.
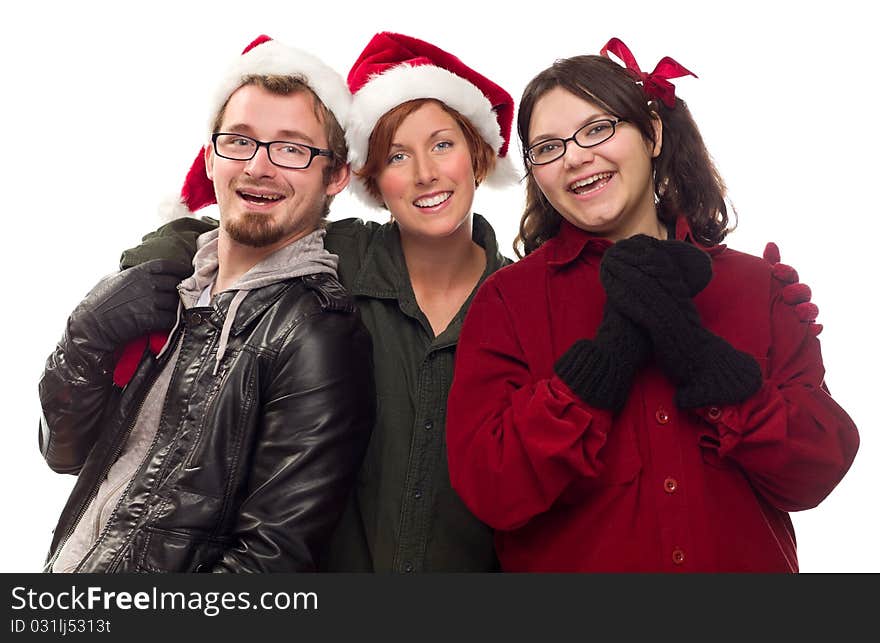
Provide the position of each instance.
(670, 485)
(714, 413)
(678, 557)
(661, 416)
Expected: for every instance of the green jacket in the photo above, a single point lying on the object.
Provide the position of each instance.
(403, 514)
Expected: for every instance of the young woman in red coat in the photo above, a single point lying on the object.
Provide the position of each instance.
(632, 395)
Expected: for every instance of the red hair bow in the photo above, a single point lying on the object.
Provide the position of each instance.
(656, 84)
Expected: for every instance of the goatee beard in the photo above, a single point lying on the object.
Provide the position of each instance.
(254, 230)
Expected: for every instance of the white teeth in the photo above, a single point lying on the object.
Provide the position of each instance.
(590, 180)
(430, 202)
(268, 197)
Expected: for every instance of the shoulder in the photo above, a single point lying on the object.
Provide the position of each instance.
(316, 311)
(527, 274)
(330, 293)
(321, 293)
(741, 268)
(350, 240)
(296, 300)
(348, 230)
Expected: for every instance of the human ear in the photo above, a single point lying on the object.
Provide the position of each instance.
(209, 161)
(657, 124)
(338, 180)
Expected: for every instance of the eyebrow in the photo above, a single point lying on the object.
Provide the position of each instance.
(434, 134)
(285, 134)
(598, 116)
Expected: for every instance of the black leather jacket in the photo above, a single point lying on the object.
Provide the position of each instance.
(249, 469)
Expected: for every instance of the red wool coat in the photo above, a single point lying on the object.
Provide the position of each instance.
(654, 488)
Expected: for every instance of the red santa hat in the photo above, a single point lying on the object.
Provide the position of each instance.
(262, 57)
(394, 69)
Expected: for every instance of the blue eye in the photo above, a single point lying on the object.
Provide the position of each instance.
(444, 145)
(396, 158)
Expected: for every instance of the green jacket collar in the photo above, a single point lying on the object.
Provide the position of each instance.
(383, 272)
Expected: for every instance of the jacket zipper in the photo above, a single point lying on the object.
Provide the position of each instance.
(100, 479)
(149, 450)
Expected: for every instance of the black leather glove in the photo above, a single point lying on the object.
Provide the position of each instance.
(120, 308)
(652, 282)
(601, 370)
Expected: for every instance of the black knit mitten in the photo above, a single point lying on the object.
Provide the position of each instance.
(651, 282)
(601, 370)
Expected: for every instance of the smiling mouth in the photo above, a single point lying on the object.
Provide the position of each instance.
(433, 200)
(591, 183)
(259, 199)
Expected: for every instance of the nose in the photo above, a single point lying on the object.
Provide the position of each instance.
(575, 155)
(260, 165)
(425, 169)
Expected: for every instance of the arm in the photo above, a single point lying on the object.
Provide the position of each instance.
(175, 241)
(514, 444)
(791, 438)
(76, 382)
(317, 416)
(73, 391)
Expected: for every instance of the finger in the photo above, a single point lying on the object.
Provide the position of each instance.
(807, 312)
(784, 273)
(796, 293)
(164, 283)
(771, 253)
(169, 267)
(694, 265)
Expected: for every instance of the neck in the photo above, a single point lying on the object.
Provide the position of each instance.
(645, 222)
(235, 259)
(438, 264)
(653, 228)
(443, 272)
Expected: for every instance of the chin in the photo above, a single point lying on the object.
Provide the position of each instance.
(253, 230)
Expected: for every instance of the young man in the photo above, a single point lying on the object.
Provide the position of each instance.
(234, 446)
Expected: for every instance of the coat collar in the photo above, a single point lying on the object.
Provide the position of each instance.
(571, 241)
(251, 308)
(383, 273)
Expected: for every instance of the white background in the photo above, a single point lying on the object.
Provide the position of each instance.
(104, 108)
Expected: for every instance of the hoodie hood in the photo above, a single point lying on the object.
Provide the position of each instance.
(305, 256)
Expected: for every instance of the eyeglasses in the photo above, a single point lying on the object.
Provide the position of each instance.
(590, 135)
(293, 156)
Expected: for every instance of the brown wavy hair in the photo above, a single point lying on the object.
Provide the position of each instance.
(381, 138)
(685, 178)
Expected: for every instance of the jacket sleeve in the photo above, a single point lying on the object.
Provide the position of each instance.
(791, 438)
(317, 417)
(515, 443)
(74, 388)
(176, 241)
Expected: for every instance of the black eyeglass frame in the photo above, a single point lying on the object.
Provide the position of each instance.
(313, 151)
(614, 123)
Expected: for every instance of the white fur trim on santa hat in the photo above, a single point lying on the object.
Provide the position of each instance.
(504, 174)
(275, 58)
(172, 207)
(403, 83)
